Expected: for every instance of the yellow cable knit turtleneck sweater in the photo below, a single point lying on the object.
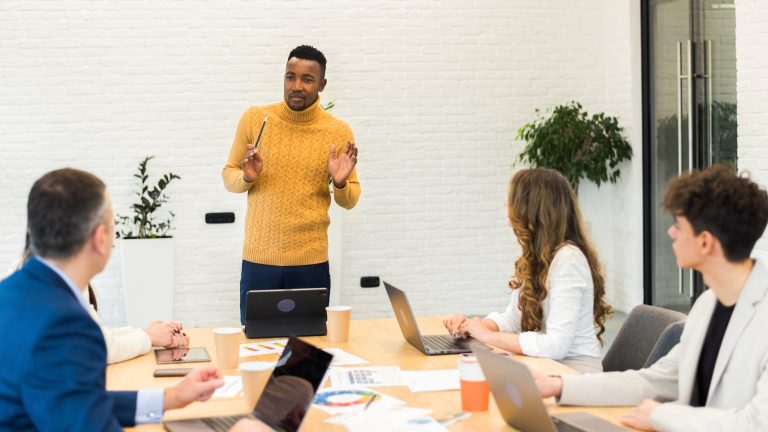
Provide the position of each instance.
(287, 219)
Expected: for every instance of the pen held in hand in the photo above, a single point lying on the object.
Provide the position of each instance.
(258, 138)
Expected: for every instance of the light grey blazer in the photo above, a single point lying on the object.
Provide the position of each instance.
(738, 393)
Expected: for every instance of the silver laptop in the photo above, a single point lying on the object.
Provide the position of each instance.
(286, 398)
(429, 345)
(520, 402)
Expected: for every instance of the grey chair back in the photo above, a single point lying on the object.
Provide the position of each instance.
(668, 339)
(639, 336)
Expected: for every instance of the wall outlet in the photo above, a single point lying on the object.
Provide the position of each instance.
(369, 281)
(219, 218)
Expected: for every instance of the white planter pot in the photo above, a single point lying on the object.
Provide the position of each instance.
(148, 276)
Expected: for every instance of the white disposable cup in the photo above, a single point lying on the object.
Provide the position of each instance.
(255, 376)
(338, 323)
(227, 341)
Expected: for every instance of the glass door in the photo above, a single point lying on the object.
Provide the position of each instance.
(690, 121)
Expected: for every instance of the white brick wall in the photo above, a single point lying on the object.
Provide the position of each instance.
(752, 94)
(434, 92)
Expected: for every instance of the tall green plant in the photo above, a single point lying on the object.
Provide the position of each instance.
(578, 145)
(144, 223)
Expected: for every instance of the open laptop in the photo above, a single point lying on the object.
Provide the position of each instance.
(429, 345)
(520, 402)
(286, 397)
(285, 312)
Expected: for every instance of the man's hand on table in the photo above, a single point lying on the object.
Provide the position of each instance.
(640, 418)
(548, 385)
(250, 425)
(198, 385)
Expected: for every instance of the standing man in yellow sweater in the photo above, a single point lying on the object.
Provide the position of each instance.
(286, 170)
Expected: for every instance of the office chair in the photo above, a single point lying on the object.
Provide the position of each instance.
(643, 338)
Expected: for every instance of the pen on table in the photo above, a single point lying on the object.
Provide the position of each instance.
(258, 138)
(370, 401)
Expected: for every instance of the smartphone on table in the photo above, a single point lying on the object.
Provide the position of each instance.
(175, 372)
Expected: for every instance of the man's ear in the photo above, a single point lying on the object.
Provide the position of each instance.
(99, 239)
(323, 82)
(709, 243)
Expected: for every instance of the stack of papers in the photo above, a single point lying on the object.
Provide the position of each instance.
(366, 376)
(274, 346)
(403, 419)
(232, 387)
(362, 409)
(347, 400)
(432, 380)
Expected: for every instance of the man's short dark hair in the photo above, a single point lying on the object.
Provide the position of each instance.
(307, 52)
(64, 207)
(731, 207)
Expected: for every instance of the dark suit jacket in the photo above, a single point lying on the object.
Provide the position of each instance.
(53, 359)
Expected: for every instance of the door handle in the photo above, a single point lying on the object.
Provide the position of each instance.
(684, 78)
(708, 96)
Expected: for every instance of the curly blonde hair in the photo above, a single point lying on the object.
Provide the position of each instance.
(545, 216)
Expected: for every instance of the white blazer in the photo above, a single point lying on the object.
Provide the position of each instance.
(569, 326)
(738, 393)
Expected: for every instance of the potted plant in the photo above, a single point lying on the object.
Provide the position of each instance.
(147, 252)
(578, 145)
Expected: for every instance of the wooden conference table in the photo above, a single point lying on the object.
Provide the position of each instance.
(380, 342)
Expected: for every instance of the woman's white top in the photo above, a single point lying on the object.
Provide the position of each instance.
(568, 329)
(123, 343)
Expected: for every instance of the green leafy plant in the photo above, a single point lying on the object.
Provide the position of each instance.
(578, 145)
(144, 223)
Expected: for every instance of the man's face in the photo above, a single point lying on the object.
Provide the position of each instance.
(685, 243)
(303, 80)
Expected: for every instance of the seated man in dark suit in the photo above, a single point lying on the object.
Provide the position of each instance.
(53, 354)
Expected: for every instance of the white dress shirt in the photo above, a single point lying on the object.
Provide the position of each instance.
(568, 329)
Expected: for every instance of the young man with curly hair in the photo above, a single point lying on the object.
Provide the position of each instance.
(716, 378)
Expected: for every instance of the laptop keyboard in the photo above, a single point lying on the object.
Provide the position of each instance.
(221, 424)
(562, 426)
(441, 342)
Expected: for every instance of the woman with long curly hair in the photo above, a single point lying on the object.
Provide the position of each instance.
(557, 308)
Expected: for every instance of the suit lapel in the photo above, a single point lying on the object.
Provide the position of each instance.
(689, 360)
(752, 294)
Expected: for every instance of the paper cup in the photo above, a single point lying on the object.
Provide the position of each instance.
(227, 346)
(474, 387)
(255, 376)
(338, 323)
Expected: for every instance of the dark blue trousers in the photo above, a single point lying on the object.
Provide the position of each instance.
(263, 277)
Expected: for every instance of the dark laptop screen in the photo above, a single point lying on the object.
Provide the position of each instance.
(292, 386)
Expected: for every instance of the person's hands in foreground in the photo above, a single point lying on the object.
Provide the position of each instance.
(548, 385)
(168, 334)
(198, 385)
(474, 327)
(640, 418)
(453, 324)
(250, 425)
